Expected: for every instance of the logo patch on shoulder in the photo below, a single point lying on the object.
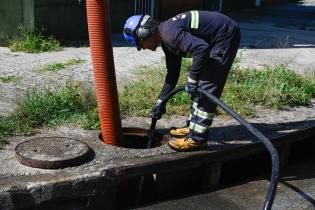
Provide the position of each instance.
(179, 16)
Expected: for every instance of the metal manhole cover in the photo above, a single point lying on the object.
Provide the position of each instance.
(52, 152)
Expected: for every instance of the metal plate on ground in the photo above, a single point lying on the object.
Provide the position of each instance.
(52, 152)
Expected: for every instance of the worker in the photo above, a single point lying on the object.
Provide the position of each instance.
(212, 40)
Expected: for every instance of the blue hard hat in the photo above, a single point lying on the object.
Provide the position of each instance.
(131, 25)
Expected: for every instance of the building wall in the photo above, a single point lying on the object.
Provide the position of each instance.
(120, 10)
(65, 19)
(12, 14)
(271, 2)
(236, 5)
(171, 8)
(28, 13)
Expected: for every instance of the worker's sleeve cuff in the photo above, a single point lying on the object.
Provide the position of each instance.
(190, 80)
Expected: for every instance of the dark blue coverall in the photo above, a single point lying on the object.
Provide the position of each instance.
(212, 40)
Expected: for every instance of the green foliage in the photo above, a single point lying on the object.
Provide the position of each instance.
(52, 107)
(90, 119)
(33, 42)
(52, 67)
(7, 127)
(72, 103)
(245, 89)
(272, 87)
(59, 66)
(137, 98)
(9, 79)
(74, 61)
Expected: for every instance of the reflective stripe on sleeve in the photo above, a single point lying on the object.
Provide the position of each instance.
(194, 19)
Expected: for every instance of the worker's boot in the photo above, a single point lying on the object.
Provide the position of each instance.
(179, 132)
(186, 144)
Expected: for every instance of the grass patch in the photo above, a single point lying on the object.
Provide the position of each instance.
(53, 67)
(7, 127)
(245, 89)
(137, 98)
(50, 107)
(33, 42)
(275, 87)
(73, 103)
(74, 61)
(9, 79)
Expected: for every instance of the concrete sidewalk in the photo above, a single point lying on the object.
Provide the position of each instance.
(24, 65)
(282, 34)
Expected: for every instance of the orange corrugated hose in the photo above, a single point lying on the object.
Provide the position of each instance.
(104, 70)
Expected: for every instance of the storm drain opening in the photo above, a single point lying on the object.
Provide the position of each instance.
(179, 183)
(158, 187)
(137, 138)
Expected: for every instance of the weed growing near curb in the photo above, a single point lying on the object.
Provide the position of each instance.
(72, 103)
(33, 42)
(137, 98)
(275, 87)
(7, 127)
(53, 107)
(9, 79)
(59, 66)
(74, 61)
(90, 119)
(271, 87)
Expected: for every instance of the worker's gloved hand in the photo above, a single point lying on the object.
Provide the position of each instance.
(158, 110)
(192, 87)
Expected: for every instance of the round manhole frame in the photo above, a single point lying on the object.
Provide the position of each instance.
(56, 164)
(137, 138)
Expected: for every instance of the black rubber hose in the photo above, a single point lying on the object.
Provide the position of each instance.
(151, 135)
(271, 149)
(154, 120)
